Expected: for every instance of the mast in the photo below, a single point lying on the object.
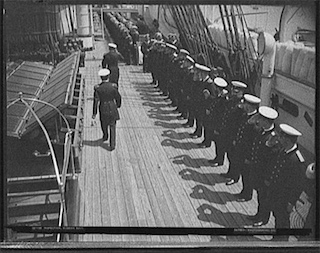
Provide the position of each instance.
(84, 25)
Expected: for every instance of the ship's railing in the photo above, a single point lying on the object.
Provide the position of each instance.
(61, 179)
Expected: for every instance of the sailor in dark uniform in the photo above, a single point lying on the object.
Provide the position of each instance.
(227, 126)
(215, 112)
(107, 96)
(202, 81)
(167, 73)
(259, 154)
(155, 59)
(111, 60)
(243, 112)
(145, 46)
(285, 180)
(185, 86)
(209, 99)
(181, 70)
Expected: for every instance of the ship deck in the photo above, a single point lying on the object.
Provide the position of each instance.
(156, 176)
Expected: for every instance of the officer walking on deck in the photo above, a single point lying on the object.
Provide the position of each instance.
(107, 96)
(110, 61)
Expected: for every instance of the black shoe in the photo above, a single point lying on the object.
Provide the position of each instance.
(104, 138)
(231, 182)
(215, 162)
(254, 218)
(112, 148)
(243, 198)
(204, 145)
(195, 135)
(260, 223)
(225, 175)
(186, 125)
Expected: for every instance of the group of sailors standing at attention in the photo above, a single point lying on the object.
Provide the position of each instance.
(265, 155)
(125, 35)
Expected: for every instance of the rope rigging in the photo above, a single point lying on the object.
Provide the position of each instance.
(240, 63)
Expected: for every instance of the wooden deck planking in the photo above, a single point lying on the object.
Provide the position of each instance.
(140, 206)
(180, 198)
(114, 209)
(140, 182)
(105, 203)
(168, 208)
(142, 198)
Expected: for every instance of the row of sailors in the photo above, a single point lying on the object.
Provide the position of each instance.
(125, 35)
(265, 155)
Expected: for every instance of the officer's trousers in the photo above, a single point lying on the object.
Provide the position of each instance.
(220, 141)
(114, 75)
(247, 188)
(235, 163)
(264, 208)
(105, 126)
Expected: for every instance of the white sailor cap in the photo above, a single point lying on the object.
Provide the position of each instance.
(289, 130)
(251, 99)
(310, 171)
(239, 84)
(112, 45)
(268, 112)
(219, 81)
(189, 58)
(183, 51)
(104, 72)
(202, 67)
(171, 46)
(175, 54)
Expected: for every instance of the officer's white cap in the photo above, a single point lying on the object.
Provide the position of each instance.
(183, 51)
(189, 58)
(171, 46)
(310, 172)
(268, 112)
(112, 45)
(175, 54)
(104, 72)
(251, 99)
(289, 130)
(219, 81)
(239, 84)
(202, 67)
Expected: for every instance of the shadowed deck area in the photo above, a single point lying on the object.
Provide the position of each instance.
(156, 176)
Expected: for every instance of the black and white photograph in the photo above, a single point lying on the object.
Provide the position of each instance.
(175, 125)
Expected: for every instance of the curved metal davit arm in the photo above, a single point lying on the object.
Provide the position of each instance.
(40, 101)
(61, 184)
